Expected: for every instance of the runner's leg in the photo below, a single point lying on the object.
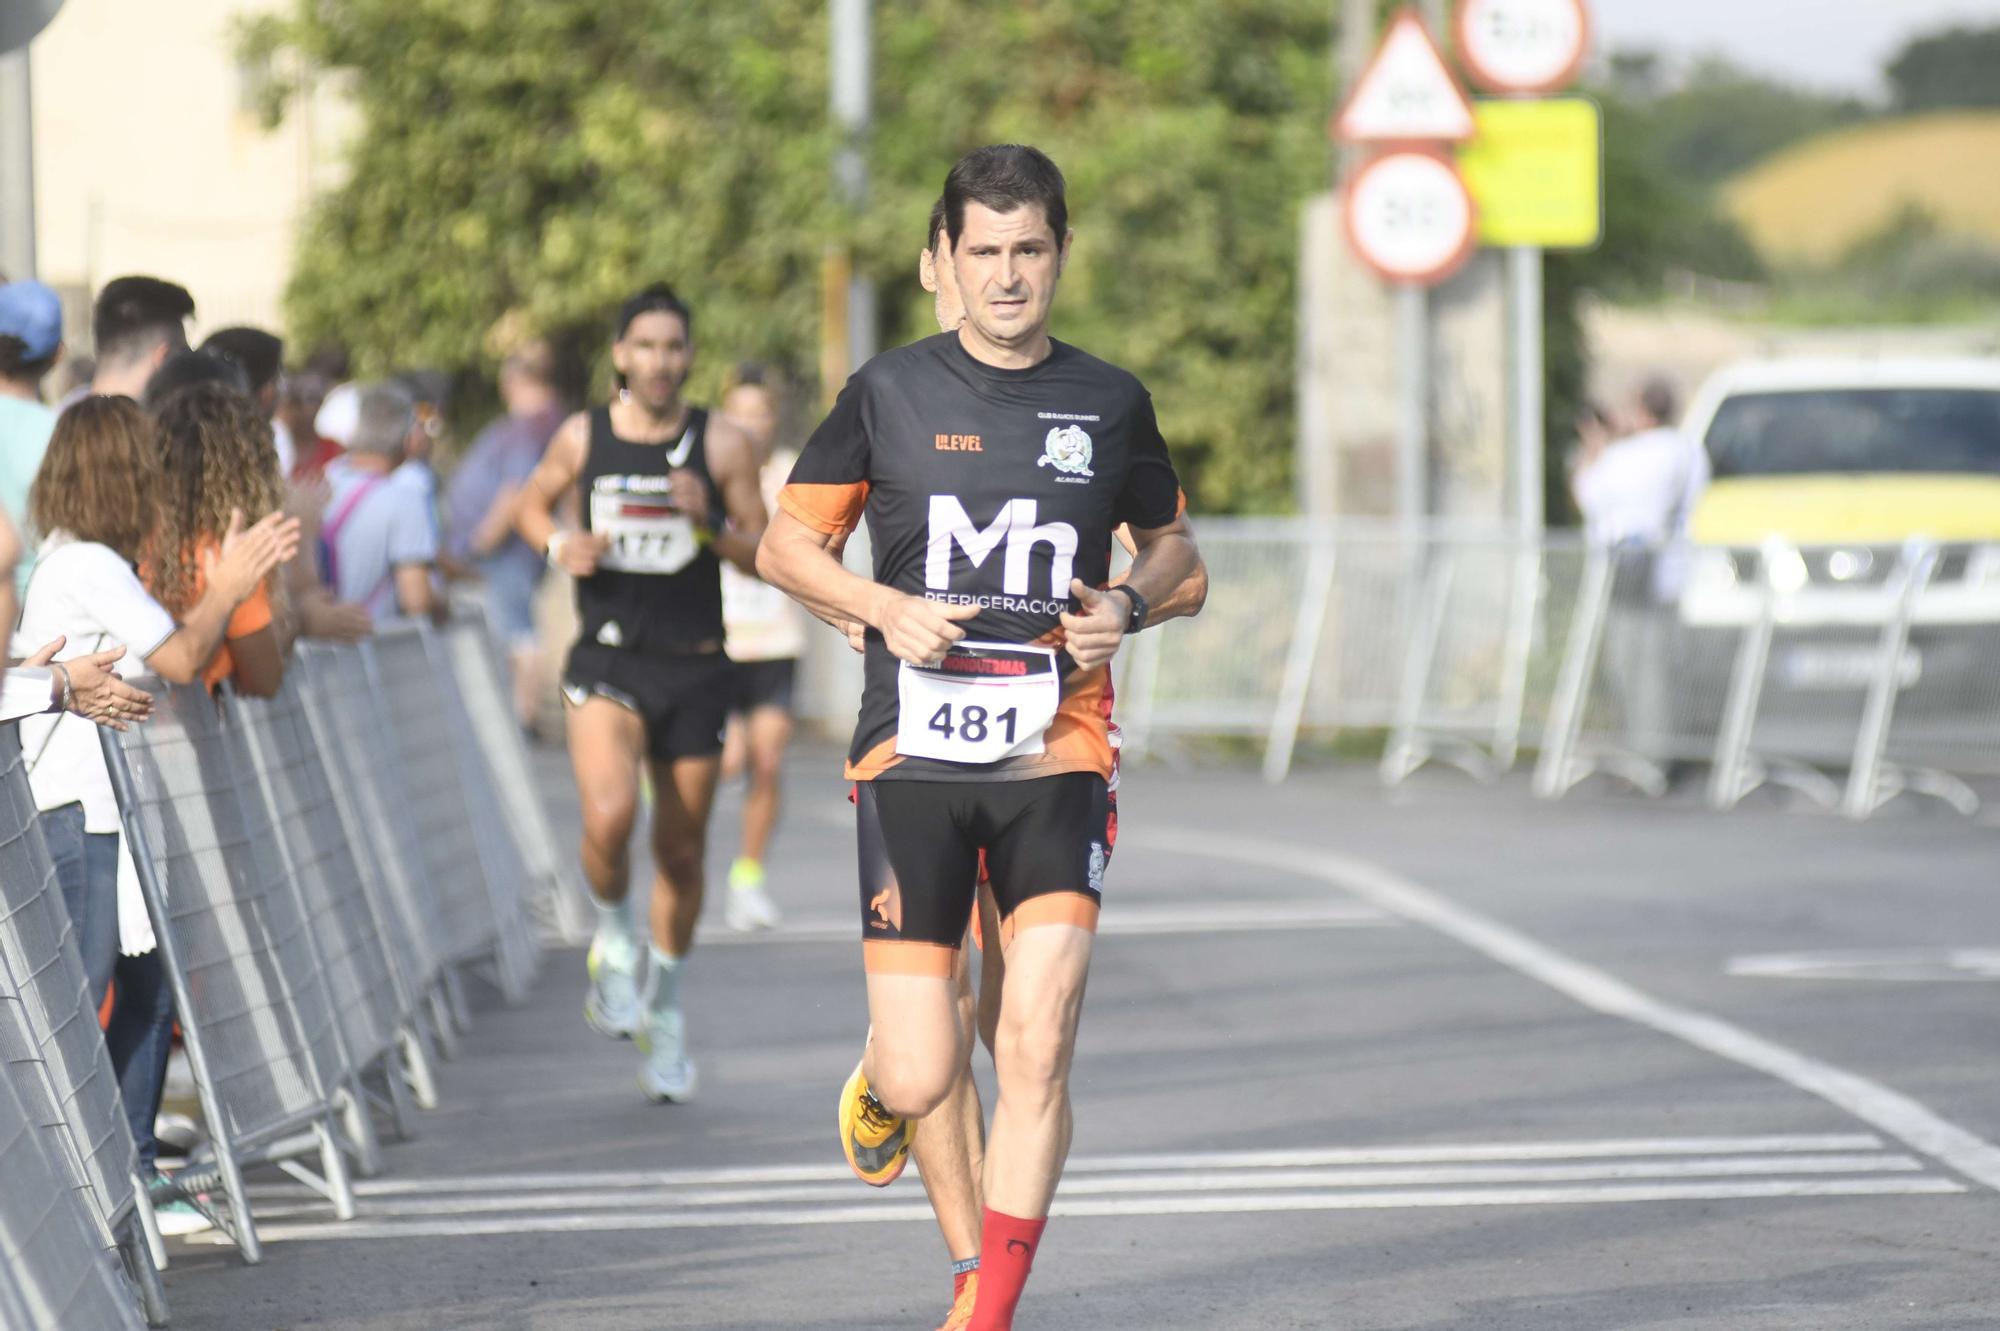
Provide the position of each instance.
(683, 794)
(606, 740)
(949, 1145)
(768, 730)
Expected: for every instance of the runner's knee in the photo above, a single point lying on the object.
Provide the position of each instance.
(910, 1084)
(1031, 1057)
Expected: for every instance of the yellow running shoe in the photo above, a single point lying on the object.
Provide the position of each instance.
(876, 1141)
(961, 1309)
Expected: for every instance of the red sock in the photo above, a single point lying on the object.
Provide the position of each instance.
(1006, 1251)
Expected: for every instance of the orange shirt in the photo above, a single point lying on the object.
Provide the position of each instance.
(252, 615)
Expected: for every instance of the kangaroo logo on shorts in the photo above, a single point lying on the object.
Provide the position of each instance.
(1067, 449)
(1097, 867)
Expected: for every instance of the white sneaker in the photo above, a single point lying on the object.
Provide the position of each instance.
(748, 906)
(613, 1007)
(667, 1075)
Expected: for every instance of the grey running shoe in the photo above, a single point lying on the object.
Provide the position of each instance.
(667, 1075)
(613, 1007)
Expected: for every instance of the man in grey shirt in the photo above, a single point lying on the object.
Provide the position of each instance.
(378, 537)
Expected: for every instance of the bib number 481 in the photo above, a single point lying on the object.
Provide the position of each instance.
(972, 725)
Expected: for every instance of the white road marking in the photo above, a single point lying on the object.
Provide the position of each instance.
(1119, 919)
(1308, 1158)
(920, 1212)
(1889, 1111)
(1956, 965)
(1140, 1184)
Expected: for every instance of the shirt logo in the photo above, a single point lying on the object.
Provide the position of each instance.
(959, 443)
(1017, 526)
(1067, 449)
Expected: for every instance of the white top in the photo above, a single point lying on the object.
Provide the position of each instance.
(761, 622)
(1643, 488)
(87, 593)
(25, 691)
(288, 449)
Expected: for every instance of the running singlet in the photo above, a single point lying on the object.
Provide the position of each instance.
(657, 588)
(990, 487)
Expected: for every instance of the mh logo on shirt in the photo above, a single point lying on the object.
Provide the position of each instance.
(1016, 525)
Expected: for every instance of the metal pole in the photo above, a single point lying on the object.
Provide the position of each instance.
(17, 167)
(851, 54)
(1524, 280)
(1413, 391)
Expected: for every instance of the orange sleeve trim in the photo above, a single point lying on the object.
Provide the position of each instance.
(908, 956)
(830, 510)
(1071, 908)
(252, 615)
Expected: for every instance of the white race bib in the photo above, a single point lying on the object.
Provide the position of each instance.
(648, 534)
(984, 702)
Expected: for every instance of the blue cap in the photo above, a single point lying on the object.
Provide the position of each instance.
(33, 313)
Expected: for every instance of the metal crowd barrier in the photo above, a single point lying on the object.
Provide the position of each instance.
(50, 1038)
(54, 1272)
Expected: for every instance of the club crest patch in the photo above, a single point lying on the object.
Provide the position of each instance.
(1067, 449)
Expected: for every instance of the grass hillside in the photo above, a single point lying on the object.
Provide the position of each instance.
(1814, 202)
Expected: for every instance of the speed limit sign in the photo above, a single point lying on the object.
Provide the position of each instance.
(1410, 218)
(1523, 47)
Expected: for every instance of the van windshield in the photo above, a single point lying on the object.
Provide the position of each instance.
(1857, 430)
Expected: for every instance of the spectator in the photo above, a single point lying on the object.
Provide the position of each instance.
(30, 345)
(1636, 493)
(261, 357)
(379, 536)
(137, 323)
(96, 497)
(216, 459)
(86, 685)
(479, 512)
(73, 380)
(193, 367)
(301, 448)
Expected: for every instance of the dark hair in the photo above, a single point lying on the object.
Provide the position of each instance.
(215, 455)
(330, 359)
(937, 225)
(1005, 176)
(658, 298)
(15, 365)
(260, 355)
(194, 367)
(135, 314)
(1660, 399)
(748, 374)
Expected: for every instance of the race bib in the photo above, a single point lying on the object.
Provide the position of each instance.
(984, 702)
(648, 534)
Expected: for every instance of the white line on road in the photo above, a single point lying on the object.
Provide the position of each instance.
(1136, 920)
(1310, 1158)
(1134, 1184)
(898, 1212)
(1892, 1112)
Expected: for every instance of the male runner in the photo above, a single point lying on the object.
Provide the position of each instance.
(992, 465)
(647, 680)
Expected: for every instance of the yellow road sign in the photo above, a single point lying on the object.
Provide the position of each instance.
(1535, 169)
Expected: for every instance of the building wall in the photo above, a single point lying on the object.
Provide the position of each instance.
(150, 158)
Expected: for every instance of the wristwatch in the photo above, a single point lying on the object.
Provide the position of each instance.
(1137, 619)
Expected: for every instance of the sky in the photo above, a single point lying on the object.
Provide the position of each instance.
(1833, 45)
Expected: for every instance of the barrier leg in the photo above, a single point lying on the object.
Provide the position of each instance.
(1524, 599)
(357, 1126)
(135, 1252)
(148, 1223)
(1307, 629)
(443, 1025)
(333, 1166)
(413, 1066)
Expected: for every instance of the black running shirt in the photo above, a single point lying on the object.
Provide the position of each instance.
(658, 589)
(994, 487)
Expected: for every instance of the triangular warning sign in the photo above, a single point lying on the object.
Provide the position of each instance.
(1406, 94)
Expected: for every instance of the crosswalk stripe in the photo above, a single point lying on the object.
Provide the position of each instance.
(1119, 919)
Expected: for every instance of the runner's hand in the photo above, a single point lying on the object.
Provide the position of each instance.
(1093, 636)
(857, 634)
(921, 631)
(248, 556)
(97, 694)
(690, 496)
(577, 552)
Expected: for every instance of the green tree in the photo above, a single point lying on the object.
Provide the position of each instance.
(1723, 118)
(1948, 69)
(541, 160)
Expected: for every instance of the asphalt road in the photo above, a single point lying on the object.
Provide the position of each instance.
(1426, 1060)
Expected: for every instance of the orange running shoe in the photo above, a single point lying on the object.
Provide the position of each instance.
(961, 1309)
(877, 1142)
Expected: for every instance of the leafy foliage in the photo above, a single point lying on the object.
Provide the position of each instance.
(1949, 69)
(537, 162)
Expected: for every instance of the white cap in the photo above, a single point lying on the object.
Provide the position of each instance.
(339, 415)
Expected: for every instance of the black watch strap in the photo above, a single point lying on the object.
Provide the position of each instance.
(1137, 619)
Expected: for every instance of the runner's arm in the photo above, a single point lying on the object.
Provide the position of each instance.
(1167, 570)
(553, 478)
(795, 558)
(732, 461)
(1185, 599)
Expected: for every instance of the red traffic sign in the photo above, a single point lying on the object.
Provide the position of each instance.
(1410, 218)
(1523, 47)
(1407, 94)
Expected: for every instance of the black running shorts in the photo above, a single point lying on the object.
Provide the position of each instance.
(684, 700)
(1046, 844)
(755, 684)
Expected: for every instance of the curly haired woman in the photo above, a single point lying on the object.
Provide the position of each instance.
(216, 458)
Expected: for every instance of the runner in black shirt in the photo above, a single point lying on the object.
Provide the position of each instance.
(647, 679)
(992, 466)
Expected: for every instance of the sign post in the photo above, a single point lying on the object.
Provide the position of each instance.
(1526, 48)
(1408, 216)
